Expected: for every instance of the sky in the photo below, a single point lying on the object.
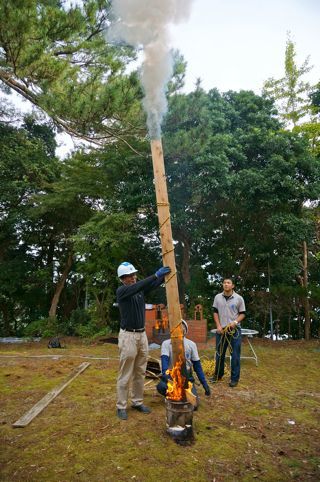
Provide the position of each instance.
(238, 44)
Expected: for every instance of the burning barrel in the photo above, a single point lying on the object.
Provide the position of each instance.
(180, 403)
(179, 416)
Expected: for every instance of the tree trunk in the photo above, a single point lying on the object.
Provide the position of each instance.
(307, 319)
(101, 310)
(6, 319)
(50, 257)
(299, 322)
(306, 304)
(60, 286)
(264, 331)
(289, 326)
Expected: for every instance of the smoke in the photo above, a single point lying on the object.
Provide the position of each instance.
(146, 23)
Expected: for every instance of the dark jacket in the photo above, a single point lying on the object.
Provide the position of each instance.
(130, 299)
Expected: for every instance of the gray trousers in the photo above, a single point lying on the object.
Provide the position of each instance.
(133, 351)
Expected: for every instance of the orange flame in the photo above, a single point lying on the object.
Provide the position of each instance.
(162, 323)
(158, 324)
(189, 389)
(165, 321)
(176, 390)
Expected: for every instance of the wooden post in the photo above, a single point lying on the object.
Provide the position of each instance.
(39, 406)
(174, 311)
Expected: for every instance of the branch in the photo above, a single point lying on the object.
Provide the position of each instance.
(27, 94)
(20, 88)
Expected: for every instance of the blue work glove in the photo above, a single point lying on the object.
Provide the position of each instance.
(207, 390)
(164, 367)
(163, 271)
(165, 377)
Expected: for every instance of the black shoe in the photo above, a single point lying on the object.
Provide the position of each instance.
(214, 379)
(141, 408)
(233, 384)
(122, 414)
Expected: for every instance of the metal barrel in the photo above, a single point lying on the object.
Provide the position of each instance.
(179, 417)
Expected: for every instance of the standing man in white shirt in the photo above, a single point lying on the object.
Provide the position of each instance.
(228, 312)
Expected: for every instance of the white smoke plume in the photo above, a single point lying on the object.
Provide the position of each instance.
(146, 23)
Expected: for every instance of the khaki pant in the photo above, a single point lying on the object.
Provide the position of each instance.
(133, 351)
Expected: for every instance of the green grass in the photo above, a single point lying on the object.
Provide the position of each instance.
(246, 433)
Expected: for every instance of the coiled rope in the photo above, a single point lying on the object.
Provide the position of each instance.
(209, 365)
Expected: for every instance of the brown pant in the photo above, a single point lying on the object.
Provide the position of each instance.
(133, 351)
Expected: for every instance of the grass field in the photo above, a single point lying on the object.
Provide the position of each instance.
(265, 429)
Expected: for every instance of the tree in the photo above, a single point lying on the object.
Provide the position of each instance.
(26, 166)
(60, 210)
(195, 164)
(100, 244)
(291, 91)
(237, 186)
(55, 55)
(297, 99)
(312, 129)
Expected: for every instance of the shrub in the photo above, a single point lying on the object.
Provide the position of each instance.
(44, 327)
(79, 318)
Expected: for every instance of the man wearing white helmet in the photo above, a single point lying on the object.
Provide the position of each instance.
(133, 342)
(192, 363)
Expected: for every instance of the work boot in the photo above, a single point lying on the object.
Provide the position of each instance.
(214, 379)
(122, 414)
(233, 384)
(141, 408)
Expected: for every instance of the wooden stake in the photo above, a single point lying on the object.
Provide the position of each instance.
(191, 398)
(174, 311)
(39, 406)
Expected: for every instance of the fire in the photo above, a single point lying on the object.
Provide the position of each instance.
(176, 387)
(161, 324)
(165, 321)
(188, 390)
(158, 325)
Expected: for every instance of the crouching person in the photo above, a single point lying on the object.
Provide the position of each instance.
(192, 363)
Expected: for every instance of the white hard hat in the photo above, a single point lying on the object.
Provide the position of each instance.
(126, 268)
(185, 325)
